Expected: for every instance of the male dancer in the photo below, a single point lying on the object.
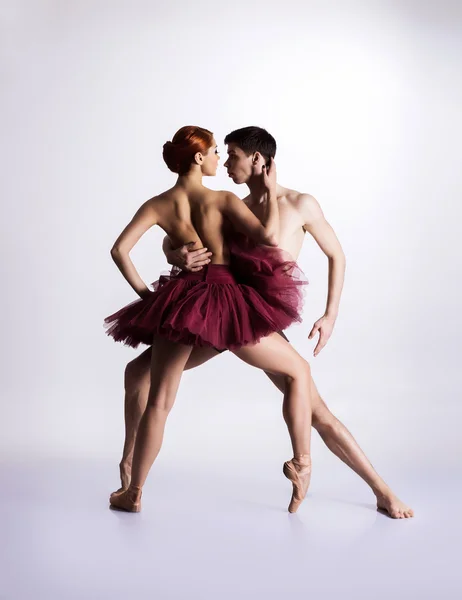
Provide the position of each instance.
(298, 213)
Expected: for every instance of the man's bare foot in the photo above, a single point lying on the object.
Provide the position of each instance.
(298, 471)
(129, 500)
(392, 505)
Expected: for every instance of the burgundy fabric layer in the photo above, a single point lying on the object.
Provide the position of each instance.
(222, 306)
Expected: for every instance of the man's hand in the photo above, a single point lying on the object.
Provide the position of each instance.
(188, 260)
(324, 325)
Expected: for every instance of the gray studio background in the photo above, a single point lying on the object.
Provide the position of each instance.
(365, 105)
(364, 100)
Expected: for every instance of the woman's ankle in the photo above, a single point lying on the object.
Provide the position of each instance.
(135, 490)
(302, 459)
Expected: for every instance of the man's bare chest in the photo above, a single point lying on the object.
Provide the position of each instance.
(290, 220)
(291, 232)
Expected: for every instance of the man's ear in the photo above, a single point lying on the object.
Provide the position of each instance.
(256, 158)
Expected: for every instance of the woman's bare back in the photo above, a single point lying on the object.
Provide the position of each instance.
(194, 216)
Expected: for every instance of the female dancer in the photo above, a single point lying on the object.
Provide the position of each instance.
(212, 307)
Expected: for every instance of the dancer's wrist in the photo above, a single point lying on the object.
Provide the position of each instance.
(144, 293)
(331, 314)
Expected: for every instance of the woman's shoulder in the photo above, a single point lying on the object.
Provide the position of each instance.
(219, 197)
(226, 197)
(168, 196)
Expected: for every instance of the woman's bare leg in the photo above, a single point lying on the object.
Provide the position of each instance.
(137, 383)
(340, 441)
(334, 434)
(168, 361)
(275, 355)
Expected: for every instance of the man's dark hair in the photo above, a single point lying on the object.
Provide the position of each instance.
(253, 139)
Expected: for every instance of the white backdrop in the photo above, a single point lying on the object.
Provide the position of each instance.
(364, 101)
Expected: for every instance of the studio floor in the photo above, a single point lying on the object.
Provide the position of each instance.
(211, 533)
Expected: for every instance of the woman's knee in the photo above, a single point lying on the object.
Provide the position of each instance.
(137, 372)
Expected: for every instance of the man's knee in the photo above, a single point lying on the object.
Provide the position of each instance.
(301, 375)
(304, 373)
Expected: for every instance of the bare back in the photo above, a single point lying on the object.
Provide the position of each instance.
(194, 217)
(197, 216)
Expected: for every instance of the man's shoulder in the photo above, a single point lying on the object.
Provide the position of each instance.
(300, 200)
(303, 203)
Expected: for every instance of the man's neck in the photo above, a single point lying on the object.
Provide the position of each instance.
(258, 193)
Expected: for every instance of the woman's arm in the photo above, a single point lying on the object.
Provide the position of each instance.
(143, 220)
(267, 230)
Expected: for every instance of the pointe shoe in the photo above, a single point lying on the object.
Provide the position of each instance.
(125, 469)
(118, 492)
(300, 478)
(128, 501)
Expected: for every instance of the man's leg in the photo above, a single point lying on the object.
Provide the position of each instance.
(340, 441)
(137, 384)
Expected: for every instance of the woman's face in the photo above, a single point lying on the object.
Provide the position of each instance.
(211, 160)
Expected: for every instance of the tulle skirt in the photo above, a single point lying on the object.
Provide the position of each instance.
(222, 306)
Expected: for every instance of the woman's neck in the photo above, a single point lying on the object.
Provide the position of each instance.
(191, 180)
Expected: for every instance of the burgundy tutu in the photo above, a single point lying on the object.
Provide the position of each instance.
(221, 306)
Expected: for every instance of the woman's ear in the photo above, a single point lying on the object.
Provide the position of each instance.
(198, 158)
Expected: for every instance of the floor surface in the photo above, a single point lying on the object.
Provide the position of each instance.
(213, 534)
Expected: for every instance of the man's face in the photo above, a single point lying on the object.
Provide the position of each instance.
(239, 166)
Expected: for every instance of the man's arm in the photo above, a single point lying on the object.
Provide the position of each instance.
(317, 226)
